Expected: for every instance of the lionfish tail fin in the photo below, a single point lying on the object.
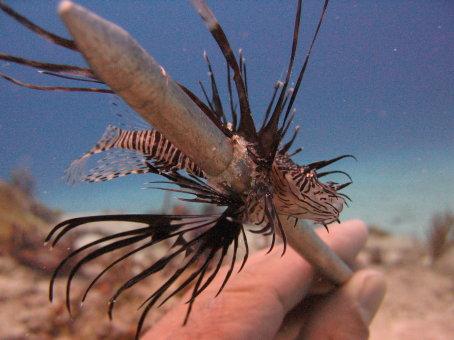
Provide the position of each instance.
(76, 171)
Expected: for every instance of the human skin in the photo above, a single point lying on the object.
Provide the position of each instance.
(276, 297)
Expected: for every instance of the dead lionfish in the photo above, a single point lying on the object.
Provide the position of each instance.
(278, 184)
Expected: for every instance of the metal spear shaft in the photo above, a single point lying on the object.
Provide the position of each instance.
(119, 61)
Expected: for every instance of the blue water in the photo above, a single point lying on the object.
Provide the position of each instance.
(379, 85)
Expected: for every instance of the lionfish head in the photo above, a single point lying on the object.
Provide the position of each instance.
(300, 192)
(328, 203)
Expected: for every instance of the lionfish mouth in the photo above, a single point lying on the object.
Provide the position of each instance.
(280, 186)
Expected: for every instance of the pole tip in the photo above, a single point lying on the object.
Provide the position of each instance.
(65, 6)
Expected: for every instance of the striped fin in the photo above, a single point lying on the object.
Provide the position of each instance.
(131, 151)
(76, 172)
(117, 163)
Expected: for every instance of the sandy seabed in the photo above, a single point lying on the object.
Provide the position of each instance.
(419, 303)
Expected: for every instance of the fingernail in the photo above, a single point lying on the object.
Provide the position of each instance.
(371, 294)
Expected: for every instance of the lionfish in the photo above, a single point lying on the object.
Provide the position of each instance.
(280, 187)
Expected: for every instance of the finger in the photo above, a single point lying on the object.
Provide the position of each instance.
(292, 324)
(347, 313)
(295, 274)
(322, 286)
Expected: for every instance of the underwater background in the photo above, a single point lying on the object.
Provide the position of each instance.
(379, 85)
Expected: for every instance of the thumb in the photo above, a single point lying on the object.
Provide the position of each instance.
(347, 312)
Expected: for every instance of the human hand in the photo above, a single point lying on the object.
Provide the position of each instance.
(271, 299)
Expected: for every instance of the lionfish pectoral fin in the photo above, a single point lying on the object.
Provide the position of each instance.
(59, 70)
(75, 172)
(53, 88)
(116, 163)
(216, 235)
(37, 29)
(158, 228)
